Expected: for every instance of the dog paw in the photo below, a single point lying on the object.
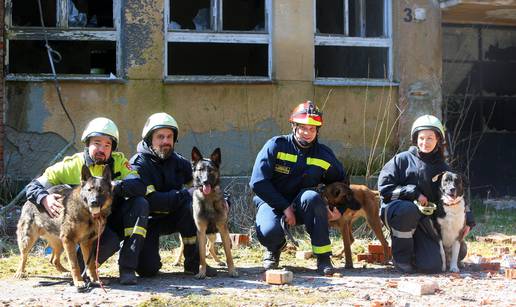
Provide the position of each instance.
(454, 269)
(443, 268)
(348, 266)
(233, 273)
(19, 275)
(200, 275)
(80, 285)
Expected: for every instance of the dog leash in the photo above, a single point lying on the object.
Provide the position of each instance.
(97, 258)
(287, 232)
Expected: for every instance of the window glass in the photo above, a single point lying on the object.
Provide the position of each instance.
(78, 57)
(243, 15)
(25, 13)
(351, 62)
(217, 59)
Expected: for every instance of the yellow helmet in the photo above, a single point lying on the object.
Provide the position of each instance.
(101, 126)
(159, 120)
(427, 122)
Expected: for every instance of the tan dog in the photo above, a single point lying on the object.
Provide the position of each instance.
(85, 207)
(210, 210)
(359, 201)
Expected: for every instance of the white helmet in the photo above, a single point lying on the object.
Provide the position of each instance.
(101, 126)
(157, 121)
(427, 122)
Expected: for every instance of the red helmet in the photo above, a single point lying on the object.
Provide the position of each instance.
(306, 113)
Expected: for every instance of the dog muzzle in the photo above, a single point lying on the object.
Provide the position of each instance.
(426, 210)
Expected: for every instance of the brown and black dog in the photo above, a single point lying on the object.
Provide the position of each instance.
(210, 210)
(360, 201)
(84, 207)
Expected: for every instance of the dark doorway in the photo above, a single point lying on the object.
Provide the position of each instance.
(479, 87)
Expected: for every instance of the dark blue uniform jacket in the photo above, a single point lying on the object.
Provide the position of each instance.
(409, 174)
(282, 170)
(164, 178)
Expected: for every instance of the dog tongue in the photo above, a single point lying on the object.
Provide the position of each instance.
(206, 189)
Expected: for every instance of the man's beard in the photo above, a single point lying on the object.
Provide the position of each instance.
(163, 152)
(99, 159)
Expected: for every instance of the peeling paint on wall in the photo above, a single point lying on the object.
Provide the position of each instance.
(28, 154)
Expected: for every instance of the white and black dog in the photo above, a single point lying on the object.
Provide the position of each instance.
(451, 222)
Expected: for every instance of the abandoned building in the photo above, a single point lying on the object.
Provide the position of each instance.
(230, 72)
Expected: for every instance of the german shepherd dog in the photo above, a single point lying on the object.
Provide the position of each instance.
(210, 211)
(452, 220)
(359, 201)
(84, 207)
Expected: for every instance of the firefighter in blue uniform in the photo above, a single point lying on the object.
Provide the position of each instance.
(128, 219)
(406, 181)
(165, 174)
(284, 170)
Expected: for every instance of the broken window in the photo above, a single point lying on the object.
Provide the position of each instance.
(353, 41)
(25, 13)
(218, 39)
(78, 57)
(217, 59)
(349, 62)
(83, 32)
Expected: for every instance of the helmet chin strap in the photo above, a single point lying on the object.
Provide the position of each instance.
(304, 144)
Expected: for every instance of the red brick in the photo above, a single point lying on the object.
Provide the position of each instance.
(278, 277)
(365, 257)
(375, 249)
(239, 239)
(490, 266)
(382, 304)
(510, 273)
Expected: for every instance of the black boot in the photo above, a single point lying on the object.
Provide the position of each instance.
(402, 254)
(127, 276)
(324, 266)
(405, 268)
(192, 261)
(271, 259)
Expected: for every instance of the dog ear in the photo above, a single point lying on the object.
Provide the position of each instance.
(215, 156)
(196, 155)
(437, 177)
(106, 174)
(85, 173)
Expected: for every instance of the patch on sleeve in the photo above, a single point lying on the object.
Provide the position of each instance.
(282, 169)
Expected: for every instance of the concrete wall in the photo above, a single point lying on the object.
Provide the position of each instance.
(418, 62)
(237, 117)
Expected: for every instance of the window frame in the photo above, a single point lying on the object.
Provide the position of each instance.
(344, 40)
(217, 35)
(61, 32)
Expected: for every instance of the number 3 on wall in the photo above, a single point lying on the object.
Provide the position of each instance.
(408, 16)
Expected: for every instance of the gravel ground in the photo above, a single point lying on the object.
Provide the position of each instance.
(369, 286)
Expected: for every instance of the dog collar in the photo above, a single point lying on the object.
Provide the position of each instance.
(452, 203)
